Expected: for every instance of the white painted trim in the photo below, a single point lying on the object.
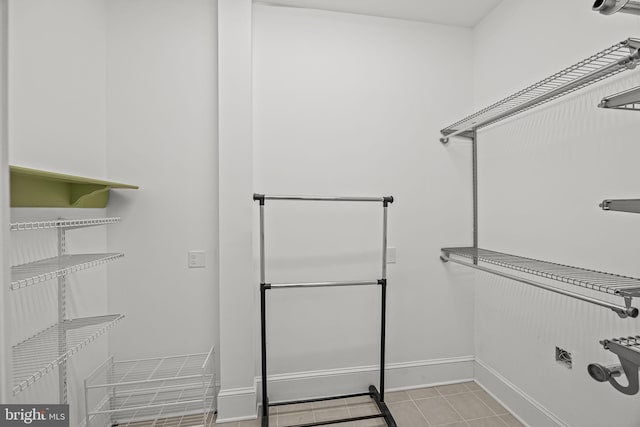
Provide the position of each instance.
(361, 369)
(525, 408)
(399, 376)
(237, 404)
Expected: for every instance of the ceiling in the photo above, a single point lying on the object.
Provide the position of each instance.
(464, 13)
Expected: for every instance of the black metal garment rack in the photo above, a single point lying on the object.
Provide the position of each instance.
(377, 396)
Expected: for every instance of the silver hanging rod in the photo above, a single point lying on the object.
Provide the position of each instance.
(620, 310)
(322, 284)
(384, 199)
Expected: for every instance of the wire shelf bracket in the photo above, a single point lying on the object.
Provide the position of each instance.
(51, 268)
(628, 351)
(38, 355)
(623, 286)
(621, 205)
(618, 58)
(627, 100)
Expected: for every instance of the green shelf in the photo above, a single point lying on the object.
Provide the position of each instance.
(33, 188)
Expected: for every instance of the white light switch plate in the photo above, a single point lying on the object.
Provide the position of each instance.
(196, 259)
(391, 255)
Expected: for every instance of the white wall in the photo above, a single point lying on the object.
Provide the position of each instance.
(161, 132)
(352, 105)
(5, 345)
(142, 76)
(57, 121)
(541, 178)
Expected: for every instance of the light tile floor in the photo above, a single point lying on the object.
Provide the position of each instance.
(455, 405)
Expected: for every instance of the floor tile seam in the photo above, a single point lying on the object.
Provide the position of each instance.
(425, 398)
(509, 425)
(490, 408)
(450, 424)
(420, 412)
(454, 409)
(452, 394)
(485, 418)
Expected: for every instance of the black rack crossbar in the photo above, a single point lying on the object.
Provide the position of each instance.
(319, 399)
(344, 420)
(377, 397)
(322, 284)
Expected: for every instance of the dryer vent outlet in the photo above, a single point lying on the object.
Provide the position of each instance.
(563, 357)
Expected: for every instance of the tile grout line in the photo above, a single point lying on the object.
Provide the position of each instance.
(504, 413)
(473, 419)
(454, 409)
(419, 411)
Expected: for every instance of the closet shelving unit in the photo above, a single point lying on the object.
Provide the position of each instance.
(180, 388)
(609, 62)
(619, 57)
(52, 347)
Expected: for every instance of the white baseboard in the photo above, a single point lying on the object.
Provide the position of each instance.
(398, 376)
(529, 411)
(237, 404)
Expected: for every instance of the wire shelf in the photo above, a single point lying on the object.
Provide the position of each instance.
(150, 390)
(35, 357)
(627, 100)
(51, 268)
(619, 57)
(61, 223)
(633, 342)
(596, 280)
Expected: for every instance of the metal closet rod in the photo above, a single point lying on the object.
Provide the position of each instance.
(619, 309)
(383, 199)
(323, 284)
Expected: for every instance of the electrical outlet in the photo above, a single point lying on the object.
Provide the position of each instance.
(196, 259)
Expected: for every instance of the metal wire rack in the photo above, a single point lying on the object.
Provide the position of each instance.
(596, 280)
(40, 354)
(156, 391)
(626, 287)
(51, 268)
(619, 57)
(625, 341)
(61, 223)
(627, 100)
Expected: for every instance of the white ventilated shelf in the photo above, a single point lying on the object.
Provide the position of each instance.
(618, 58)
(175, 389)
(61, 223)
(51, 268)
(609, 283)
(35, 357)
